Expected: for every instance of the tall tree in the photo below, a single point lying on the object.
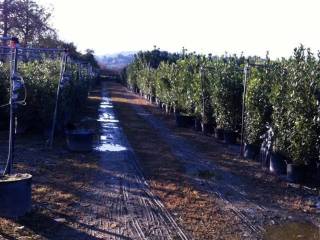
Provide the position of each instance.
(25, 19)
(8, 13)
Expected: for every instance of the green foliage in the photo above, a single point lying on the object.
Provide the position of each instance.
(41, 80)
(296, 108)
(4, 85)
(284, 93)
(227, 95)
(164, 76)
(258, 107)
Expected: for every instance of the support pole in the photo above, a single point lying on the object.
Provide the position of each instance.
(245, 72)
(13, 106)
(54, 119)
(202, 97)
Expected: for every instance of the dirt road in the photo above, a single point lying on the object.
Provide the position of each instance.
(128, 209)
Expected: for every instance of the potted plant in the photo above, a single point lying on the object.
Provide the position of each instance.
(257, 110)
(15, 188)
(295, 109)
(15, 194)
(227, 99)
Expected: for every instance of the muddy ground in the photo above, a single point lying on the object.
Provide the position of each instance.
(61, 180)
(209, 191)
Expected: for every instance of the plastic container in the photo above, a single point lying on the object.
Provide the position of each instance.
(264, 157)
(295, 173)
(80, 140)
(277, 164)
(207, 128)
(250, 151)
(197, 124)
(15, 195)
(219, 134)
(184, 121)
(230, 137)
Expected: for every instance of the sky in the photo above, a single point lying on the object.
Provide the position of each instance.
(205, 26)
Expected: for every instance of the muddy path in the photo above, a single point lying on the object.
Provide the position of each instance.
(232, 194)
(87, 196)
(131, 210)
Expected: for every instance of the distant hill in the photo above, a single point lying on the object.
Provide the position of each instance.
(116, 61)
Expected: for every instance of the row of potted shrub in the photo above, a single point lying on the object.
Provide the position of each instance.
(41, 79)
(209, 89)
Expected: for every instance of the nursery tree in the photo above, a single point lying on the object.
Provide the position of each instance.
(258, 108)
(228, 94)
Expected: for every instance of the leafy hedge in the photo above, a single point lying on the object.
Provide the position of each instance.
(4, 76)
(284, 93)
(41, 80)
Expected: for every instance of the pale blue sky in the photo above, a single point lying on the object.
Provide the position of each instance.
(216, 26)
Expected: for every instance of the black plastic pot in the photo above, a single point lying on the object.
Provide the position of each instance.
(80, 140)
(264, 157)
(207, 128)
(15, 195)
(277, 164)
(250, 151)
(197, 124)
(312, 174)
(295, 173)
(317, 175)
(230, 137)
(184, 121)
(219, 134)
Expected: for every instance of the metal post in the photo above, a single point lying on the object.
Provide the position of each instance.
(90, 76)
(79, 72)
(202, 96)
(245, 71)
(54, 120)
(13, 106)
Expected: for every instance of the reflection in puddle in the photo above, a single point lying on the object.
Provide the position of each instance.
(110, 147)
(102, 106)
(293, 231)
(108, 120)
(103, 138)
(110, 138)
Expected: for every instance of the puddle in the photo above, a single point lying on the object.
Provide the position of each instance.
(110, 147)
(110, 135)
(292, 231)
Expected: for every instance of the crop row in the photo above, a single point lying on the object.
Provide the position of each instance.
(41, 80)
(283, 93)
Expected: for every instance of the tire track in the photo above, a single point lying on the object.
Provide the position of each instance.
(247, 211)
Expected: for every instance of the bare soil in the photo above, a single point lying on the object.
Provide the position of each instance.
(61, 180)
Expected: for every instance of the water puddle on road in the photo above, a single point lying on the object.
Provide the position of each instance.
(110, 135)
(292, 231)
